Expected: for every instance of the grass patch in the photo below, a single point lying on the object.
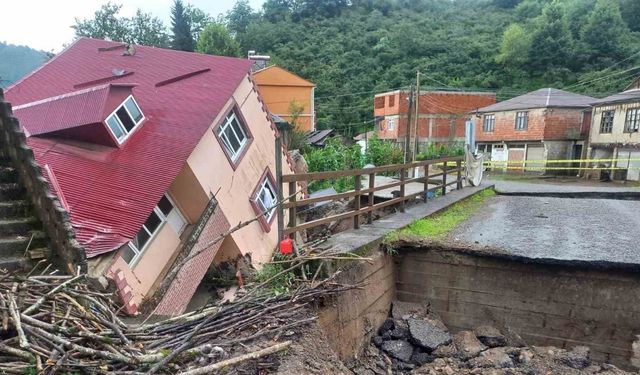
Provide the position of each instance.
(444, 222)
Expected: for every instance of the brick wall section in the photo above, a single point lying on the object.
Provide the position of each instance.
(66, 251)
(564, 303)
(177, 297)
(544, 124)
(442, 107)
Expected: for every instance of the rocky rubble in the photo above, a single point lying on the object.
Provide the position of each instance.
(414, 341)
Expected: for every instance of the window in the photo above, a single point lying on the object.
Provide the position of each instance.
(378, 102)
(165, 211)
(392, 100)
(233, 135)
(489, 123)
(125, 119)
(391, 124)
(606, 123)
(632, 122)
(264, 198)
(522, 120)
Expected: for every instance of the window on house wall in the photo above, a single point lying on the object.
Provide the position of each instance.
(489, 123)
(606, 123)
(392, 100)
(164, 212)
(125, 119)
(391, 124)
(233, 135)
(632, 121)
(378, 102)
(522, 120)
(264, 199)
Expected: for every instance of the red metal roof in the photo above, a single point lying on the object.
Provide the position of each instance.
(110, 191)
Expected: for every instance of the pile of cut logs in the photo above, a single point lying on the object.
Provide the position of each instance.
(58, 324)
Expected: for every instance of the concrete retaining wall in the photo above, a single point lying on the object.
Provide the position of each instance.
(350, 319)
(547, 304)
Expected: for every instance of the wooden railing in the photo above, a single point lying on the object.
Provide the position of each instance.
(293, 203)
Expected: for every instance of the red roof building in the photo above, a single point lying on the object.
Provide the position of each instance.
(133, 135)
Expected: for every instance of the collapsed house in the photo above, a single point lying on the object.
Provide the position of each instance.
(151, 154)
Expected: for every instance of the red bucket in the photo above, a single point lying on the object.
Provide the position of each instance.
(286, 246)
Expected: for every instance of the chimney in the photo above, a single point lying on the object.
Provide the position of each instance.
(259, 61)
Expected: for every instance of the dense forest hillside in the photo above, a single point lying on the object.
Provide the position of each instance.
(352, 49)
(16, 61)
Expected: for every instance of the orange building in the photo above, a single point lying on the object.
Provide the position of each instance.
(280, 88)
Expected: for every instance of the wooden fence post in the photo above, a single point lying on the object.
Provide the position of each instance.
(426, 183)
(459, 178)
(402, 179)
(372, 184)
(280, 186)
(356, 219)
(444, 178)
(293, 211)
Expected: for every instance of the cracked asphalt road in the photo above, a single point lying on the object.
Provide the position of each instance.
(559, 228)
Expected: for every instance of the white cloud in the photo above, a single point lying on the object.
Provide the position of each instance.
(46, 24)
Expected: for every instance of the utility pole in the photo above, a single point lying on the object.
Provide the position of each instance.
(407, 142)
(417, 116)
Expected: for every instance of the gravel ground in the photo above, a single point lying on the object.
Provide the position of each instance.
(559, 228)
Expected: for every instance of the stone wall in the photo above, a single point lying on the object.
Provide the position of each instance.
(351, 318)
(559, 303)
(66, 251)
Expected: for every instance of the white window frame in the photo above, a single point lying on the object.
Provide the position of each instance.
(266, 182)
(138, 253)
(522, 120)
(391, 124)
(124, 130)
(606, 121)
(220, 132)
(632, 120)
(489, 123)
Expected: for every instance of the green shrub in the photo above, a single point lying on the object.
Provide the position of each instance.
(335, 156)
(381, 152)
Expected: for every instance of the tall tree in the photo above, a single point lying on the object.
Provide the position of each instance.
(514, 51)
(181, 27)
(142, 28)
(240, 16)
(148, 30)
(199, 19)
(277, 10)
(603, 34)
(216, 40)
(105, 24)
(631, 13)
(551, 44)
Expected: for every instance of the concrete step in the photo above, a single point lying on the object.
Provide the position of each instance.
(14, 209)
(16, 245)
(8, 174)
(13, 263)
(19, 226)
(11, 191)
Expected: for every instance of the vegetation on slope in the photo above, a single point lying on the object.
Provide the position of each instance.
(16, 61)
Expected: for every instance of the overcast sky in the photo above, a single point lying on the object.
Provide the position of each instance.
(45, 24)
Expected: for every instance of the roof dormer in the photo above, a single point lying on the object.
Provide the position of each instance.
(107, 115)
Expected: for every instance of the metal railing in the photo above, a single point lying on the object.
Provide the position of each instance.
(293, 203)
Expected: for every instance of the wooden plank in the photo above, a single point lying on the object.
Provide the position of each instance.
(334, 197)
(372, 184)
(444, 181)
(426, 183)
(353, 172)
(342, 216)
(292, 211)
(459, 178)
(356, 219)
(402, 188)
